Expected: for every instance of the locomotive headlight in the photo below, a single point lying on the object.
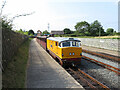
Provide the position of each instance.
(73, 53)
(69, 53)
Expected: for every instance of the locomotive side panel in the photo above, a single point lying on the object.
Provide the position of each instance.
(53, 47)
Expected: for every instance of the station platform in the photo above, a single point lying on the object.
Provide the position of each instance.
(44, 72)
(100, 50)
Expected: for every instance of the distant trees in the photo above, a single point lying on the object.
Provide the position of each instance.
(96, 29)
(82, 27)
(67, 31)
(45, 32)
(31, 32)
(22, 32)
(110, 31)
(85, 29)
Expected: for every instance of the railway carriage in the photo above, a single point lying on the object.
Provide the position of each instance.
(42, 40)
(65, 50)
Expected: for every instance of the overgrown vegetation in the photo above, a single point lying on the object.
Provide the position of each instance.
(15, 73)
(30, 32)
(45, 32)
(22, 32)
(6, 24)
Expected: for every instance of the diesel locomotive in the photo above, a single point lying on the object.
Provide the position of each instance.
(64, 50)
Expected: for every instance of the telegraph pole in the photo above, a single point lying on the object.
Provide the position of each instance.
(99, 32)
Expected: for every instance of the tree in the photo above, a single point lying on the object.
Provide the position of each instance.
(96, 29)
(17, 16)
(82, 27)
(45, 32)
(67, 31)
(110, 31)
(31, 32)
(22, 32)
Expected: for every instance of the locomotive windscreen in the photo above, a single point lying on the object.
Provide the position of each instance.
(70, 44)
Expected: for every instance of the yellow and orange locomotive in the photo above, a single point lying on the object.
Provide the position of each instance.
(64, 50)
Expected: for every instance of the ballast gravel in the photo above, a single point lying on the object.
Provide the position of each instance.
(103, 75)
(114, 64)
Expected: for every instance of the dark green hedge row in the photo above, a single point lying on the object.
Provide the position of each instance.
(11, 41)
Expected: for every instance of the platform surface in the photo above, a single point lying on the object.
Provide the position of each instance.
(44, 72)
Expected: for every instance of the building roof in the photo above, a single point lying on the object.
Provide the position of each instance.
(57, 32)
(61, 39)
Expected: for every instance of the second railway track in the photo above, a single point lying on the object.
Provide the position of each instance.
(112, 68)
(89, 82)
(103, 55)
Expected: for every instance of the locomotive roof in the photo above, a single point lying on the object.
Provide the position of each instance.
(61, 39)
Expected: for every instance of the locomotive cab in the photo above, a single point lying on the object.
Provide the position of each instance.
(71, 49)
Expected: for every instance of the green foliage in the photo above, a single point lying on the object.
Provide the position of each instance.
(31, 32)
(82, 27)
(110, 31)
(118, 33)
(22, 32)
(45, 32)
(85, 29)
(96, 29)
(67, 31)
(14, 75)
(6, 24)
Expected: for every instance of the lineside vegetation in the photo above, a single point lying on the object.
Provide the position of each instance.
(15, 73)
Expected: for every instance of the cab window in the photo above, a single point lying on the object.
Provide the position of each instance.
(59, 44)
(56, 43)
(66, 44)
(75, 44)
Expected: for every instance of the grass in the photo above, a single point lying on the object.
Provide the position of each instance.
(15, 74)
(109, 37)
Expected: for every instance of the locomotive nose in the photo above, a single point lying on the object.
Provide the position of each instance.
(71, 52)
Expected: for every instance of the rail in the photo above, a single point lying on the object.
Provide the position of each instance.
(105, 56)
(104, 65)
(87, 78)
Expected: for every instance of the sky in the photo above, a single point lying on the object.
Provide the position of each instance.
(61, 14)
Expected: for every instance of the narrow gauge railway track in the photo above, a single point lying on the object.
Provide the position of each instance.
(89, 82)
(103, 55)
(114, 69)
